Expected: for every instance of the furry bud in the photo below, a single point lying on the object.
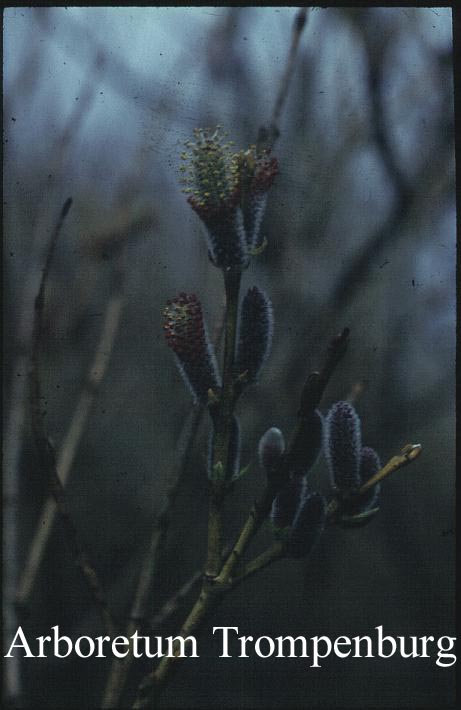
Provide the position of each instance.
(255, 334)
(308, 525)
(270, 449)
(186, 335)
(343, 446)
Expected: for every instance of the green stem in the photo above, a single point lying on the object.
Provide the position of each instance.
(222, 420)
(266, 558)
(154, 682)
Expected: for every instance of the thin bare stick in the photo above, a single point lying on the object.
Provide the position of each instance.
(45, 451)
(172, 605)
(70, 444)
(408, 454)
(267, 136)
(266, 558)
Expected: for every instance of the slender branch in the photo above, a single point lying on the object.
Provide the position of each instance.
(222, 424)
(272, 554)
(408, 454)
(69, 447)
(153, 684)
(45, 451)
(172, 605)
(267, 136)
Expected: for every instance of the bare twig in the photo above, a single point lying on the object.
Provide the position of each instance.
(222, 415)
(172, 605)
(267, 136)
(45, 451)
(69, 447)
(266, 558)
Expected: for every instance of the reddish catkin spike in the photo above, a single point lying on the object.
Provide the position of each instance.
(343, 447)
(211, 175)
(186, 334)
(255, 334)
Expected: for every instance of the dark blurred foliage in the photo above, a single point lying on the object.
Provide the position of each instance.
(360, 229)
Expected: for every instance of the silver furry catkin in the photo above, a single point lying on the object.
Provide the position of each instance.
(343, 446)
(270, 450)
(254, 336)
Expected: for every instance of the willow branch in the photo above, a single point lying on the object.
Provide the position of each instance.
(214, 583)
(216, 587)
(408, 454)
(311, 395)
(276, 551)
(172, 605)
(45, 452)
(272, 554)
